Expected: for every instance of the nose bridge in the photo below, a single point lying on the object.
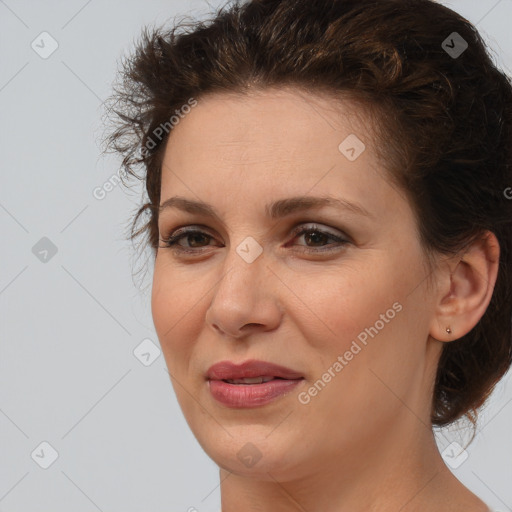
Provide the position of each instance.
(244, 268)
(243, 294)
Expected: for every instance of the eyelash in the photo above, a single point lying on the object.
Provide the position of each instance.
(171, 242)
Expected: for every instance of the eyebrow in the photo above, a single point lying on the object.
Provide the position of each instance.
(274, 210)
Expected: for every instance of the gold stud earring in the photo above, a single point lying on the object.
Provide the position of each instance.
(448, 330)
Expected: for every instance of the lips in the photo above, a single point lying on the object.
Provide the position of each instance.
(253, 369)
(250, 384)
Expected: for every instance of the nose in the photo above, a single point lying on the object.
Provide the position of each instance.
(246, 299)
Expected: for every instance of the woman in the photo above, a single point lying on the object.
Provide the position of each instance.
(332, 239)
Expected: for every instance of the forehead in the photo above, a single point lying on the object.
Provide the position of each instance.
(266, 127)
(275, 116)
(272, 144)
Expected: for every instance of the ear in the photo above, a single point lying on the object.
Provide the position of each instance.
(465, 288)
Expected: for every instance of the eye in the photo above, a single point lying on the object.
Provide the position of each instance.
(195, 236)
(319, 237)
(198, 239)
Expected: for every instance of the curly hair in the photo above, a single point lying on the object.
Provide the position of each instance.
(449, 113)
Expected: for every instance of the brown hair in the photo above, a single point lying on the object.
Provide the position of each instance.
(445, 118)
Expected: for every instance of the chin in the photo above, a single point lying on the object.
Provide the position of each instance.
(250, 451)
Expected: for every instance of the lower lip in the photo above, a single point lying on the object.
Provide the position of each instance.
(250, 395)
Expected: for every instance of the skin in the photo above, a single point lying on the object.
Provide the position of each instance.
(364, 442)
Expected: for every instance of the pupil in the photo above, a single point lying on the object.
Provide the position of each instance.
(195, 236)
(315, 235)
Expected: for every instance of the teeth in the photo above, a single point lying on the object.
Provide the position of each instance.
(253, 380)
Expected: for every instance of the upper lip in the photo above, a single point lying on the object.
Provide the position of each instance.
(228, 370)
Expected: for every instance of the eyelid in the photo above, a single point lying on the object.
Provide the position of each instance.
(315, 226)
(300, 224)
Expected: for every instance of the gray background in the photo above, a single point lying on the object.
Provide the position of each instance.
(69, 325)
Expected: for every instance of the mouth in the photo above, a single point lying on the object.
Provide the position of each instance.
(250, 372)
(254, 380)
(250, 384)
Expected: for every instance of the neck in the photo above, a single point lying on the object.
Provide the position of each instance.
(405, 472)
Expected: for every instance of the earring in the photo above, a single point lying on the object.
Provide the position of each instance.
(448, 330)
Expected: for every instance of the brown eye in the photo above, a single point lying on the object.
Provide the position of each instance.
(194, 237)
(319, 238)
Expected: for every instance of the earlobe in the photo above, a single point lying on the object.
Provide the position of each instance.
(469, 281)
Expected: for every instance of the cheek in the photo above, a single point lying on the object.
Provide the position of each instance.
(342, 303)
(360, 349)
(175, 305)
(365, 313)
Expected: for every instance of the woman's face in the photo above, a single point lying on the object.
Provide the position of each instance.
(350, 317)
